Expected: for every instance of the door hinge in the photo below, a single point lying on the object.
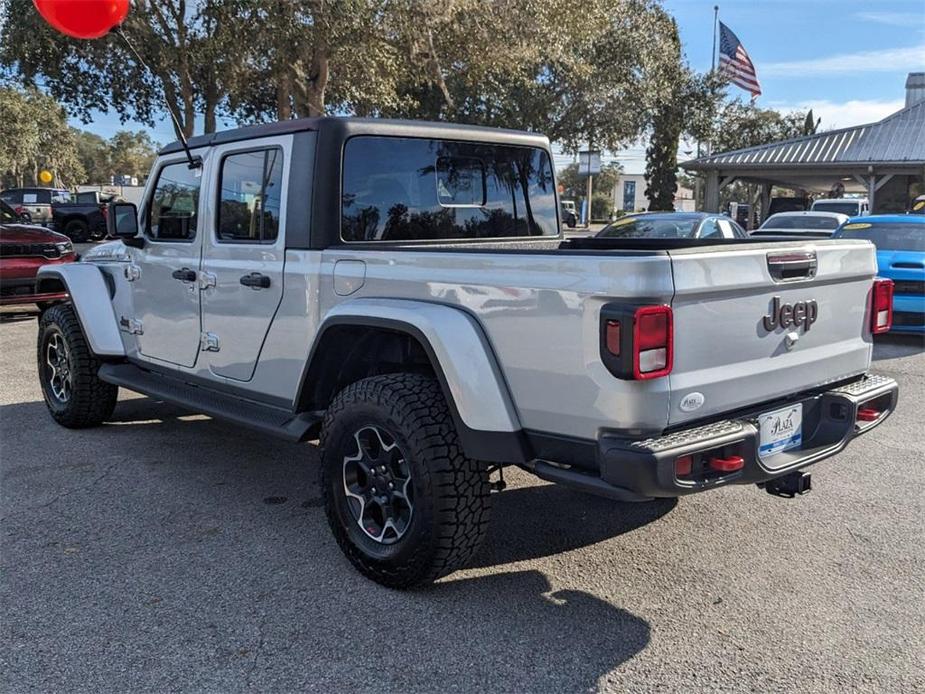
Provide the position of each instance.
(132, 272)
(208, 342)
(206, 280)
(131, 326)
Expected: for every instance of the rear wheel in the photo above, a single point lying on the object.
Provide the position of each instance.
(77, 230)
(75, 396)
(404, 503)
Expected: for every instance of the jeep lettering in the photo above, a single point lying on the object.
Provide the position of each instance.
(801, 313)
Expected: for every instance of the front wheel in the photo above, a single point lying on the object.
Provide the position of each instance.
(77, 230)
(404, 503)
(74, 395)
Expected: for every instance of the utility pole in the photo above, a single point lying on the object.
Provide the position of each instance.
(588, 192)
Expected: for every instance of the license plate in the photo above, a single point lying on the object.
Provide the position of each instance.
(781, 430)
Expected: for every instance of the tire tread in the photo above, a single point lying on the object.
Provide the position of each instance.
(457, 485)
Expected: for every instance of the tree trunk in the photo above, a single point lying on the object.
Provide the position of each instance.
(283, 97)
(310, 91)
(211, 99)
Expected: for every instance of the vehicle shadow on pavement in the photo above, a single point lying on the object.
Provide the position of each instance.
(206, 545)
(11, 316)
(897, 345)
(544, 520)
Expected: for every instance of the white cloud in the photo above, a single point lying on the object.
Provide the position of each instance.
(844, 114)
(896, 19)
(886, 60)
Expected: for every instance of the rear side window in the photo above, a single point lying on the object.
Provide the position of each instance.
(406, 189)
(11, 197)
(174, 210)
(249, 196)
(848, 208)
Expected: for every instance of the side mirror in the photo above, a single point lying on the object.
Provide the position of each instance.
(122, 223)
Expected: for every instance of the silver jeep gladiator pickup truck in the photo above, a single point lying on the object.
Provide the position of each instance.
(402, 292)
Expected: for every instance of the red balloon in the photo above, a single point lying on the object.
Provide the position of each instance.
(83, 19)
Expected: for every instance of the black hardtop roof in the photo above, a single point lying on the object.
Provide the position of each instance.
(347, 127)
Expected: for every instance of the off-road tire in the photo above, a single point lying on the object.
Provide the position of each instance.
(77, 230)
(451, 492)
(91, 401)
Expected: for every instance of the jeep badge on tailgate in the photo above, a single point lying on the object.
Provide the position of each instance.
(784, 315)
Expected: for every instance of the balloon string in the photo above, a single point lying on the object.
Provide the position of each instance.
(193, 163)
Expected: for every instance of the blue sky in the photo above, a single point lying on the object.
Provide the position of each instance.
(847, 59)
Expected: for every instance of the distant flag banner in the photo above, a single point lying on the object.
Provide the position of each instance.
(735, 63)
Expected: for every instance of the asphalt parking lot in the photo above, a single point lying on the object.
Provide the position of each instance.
(167, 551)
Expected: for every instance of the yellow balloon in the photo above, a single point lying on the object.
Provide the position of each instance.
(45, 176)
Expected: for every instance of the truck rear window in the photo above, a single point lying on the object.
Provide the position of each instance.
(408, 189)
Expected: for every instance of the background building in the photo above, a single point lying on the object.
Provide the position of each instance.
(884, 161)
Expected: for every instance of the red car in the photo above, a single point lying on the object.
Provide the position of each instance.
(24, 248)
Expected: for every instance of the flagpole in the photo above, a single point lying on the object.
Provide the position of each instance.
(715, 25)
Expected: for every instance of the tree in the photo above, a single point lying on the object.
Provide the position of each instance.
(686, 107)
(131, 154)
(93, 151)
(36, 137)
(739, 125)
(189, 49)
(577, 76)
(575, 184)
(581, 76)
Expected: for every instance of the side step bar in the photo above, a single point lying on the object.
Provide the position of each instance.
(274, 421)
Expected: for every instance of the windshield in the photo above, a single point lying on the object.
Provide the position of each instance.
(849, 208)
(801, 222)
(651, 228)
(7, 214)
(887, 237)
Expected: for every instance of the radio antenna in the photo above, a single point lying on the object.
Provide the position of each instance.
(194, 162)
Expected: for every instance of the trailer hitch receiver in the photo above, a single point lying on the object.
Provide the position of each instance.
(790, 485)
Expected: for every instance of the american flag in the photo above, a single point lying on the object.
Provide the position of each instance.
(735, 63)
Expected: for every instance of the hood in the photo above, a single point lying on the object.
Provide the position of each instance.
(888, 261)
(29, 233)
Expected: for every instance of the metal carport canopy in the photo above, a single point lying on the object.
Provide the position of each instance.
(860, 157)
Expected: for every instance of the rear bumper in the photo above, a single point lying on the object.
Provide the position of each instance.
(644, 469)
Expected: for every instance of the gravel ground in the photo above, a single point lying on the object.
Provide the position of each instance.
(167, 551)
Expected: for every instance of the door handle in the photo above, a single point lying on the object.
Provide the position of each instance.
(256, 281)
(184, 275)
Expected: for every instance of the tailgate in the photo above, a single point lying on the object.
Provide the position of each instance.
(730, 349)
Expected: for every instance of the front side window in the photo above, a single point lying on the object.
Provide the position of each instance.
(408, 189)
(174, 210)
(249, 196)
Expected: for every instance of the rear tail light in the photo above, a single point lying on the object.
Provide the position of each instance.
(881, 313)
(652, 342)
(637, 341)
(868, 414)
